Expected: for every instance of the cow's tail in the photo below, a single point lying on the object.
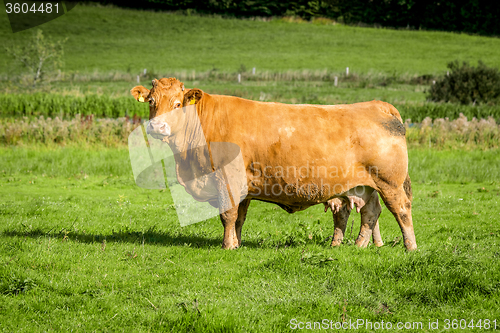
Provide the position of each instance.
(407, 187)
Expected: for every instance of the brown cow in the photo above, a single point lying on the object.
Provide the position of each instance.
(370, 152)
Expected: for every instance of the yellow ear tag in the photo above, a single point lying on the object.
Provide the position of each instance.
(141, 99)
(192, 101)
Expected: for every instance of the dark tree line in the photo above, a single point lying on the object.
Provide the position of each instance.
(471, 16)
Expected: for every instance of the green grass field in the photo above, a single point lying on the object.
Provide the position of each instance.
(83, 248)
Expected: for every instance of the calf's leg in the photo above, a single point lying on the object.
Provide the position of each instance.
(377, 238)
(340, 219)
(341, 209)
(370, 213)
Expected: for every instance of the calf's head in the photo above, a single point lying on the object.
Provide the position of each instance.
(165, 96)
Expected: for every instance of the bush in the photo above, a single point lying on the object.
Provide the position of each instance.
(466, 84)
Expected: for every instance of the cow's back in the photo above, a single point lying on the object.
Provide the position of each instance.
(315, 144)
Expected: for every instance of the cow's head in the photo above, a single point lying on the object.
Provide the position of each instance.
(166, 95)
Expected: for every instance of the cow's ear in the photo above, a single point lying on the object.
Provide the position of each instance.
(192, 96)
(139, 93)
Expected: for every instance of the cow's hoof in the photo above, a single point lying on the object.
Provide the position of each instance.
(230, 246)
(335, 243)
(378, 244)
(362, 242)
(410, 246)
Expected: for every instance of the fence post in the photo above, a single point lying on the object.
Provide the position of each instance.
(138, 79)
(253, 71)
(336, 81)
(239, 78)
(347, 71)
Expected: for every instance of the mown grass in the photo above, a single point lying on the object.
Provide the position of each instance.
(83, 248)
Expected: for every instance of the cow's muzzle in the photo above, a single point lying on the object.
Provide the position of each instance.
(158, 128)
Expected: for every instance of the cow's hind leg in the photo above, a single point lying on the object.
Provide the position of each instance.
(340, 221)
(397, 200)
(242, 214)
(370, 213)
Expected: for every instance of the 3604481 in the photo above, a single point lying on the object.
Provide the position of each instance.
(25, 8)
(462, 324)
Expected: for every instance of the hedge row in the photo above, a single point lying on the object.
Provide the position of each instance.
(418, 113)
(53, 105)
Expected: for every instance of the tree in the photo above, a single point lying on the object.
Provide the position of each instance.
(39, 55)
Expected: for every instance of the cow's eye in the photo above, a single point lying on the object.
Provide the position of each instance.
(151, 101)
(177, 105)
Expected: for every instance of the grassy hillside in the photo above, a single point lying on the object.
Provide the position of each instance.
(113, 39)
(295, 62)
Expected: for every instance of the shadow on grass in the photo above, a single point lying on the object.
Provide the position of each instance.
(148, 237)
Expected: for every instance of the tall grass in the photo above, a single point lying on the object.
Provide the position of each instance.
(78, 130)
(459, 133)
(439, 134)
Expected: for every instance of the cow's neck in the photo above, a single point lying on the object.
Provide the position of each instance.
(189, 136)
(214, 117)
(192, 158)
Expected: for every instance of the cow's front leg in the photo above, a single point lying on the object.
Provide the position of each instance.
(233, 220)
(228, 212)
(228, 219)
